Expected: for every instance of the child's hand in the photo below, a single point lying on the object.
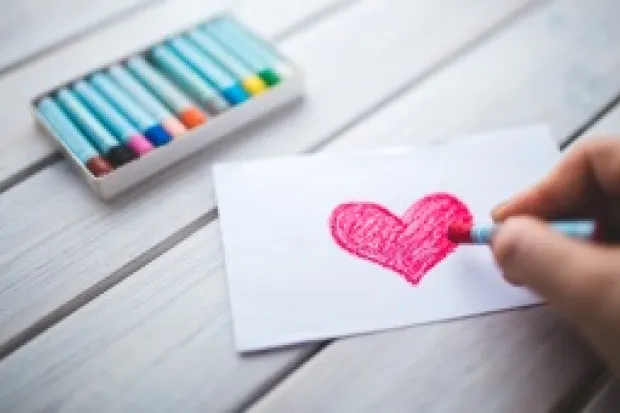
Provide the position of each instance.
(580, 281)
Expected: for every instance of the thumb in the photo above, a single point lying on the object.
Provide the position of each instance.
(572, 275)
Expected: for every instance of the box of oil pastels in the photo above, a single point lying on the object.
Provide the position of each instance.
(122, 123)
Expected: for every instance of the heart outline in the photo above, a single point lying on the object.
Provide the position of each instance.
(360, 229)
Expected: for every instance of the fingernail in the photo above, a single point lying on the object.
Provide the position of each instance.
(497, 211)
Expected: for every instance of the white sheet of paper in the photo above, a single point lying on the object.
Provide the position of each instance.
(290, 282)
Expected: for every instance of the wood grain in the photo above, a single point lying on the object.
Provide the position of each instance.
(23, 145)
(55, 252)
(515, 361)
(554, 69)
(525, 358)
(159, 342)
(607, 126)
(29, 27)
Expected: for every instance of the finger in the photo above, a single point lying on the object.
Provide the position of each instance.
(572, 275)
(579, 280)
(588, 172)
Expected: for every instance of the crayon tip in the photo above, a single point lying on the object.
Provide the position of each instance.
(120, 155)
(173, 126)
(192, 117)
(254, 85)
(157, 135)
(99, 166)
(459, 233)
(235, 95)
(139, 145)
(269, 76)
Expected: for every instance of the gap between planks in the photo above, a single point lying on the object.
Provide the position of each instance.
(169, 242)
(139, 261)
(585, 120)
(278, 378)
(113, 16)
(285, 33)
(586, 389)
(572, 128)
(594, 122)
(424, 75)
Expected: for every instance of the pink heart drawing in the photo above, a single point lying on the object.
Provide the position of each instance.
(411, 245)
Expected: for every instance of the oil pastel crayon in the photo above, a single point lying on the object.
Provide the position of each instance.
(231, 27)
(99, 136)
(250, 80)
(140, 118)
(149, 102)
(460, 233)
(210, 70)
(111, 118)
(188, 113)
(71, 136)
(244, 52)
(190, 81)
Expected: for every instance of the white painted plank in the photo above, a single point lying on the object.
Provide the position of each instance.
(607, 126)
(554, 69)
(498, 356)
(513, 362)
(28, 27)
(179, 359)
(559, 66)
(607, 400)
(55, 252)
(22, 145)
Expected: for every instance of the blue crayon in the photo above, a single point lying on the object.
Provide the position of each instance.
(111, 118)
(210, 70)
(231, 27)
(244, 51)
(73, 139)
(140, 118)
(250, 81)
(460, 233)
(185, 109)
(150, 103)
(108, 145)
(189, 80)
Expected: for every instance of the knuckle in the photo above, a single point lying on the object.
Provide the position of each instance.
(509, 241)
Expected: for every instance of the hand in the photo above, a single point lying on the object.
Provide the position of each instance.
(579, 280)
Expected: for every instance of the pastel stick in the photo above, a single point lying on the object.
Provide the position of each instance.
(189, 80)
(73, 138)
(147, 100)
(140, 118)
(98, 135)
(244, 51)
(209, 70)
(257, 44)
(111, 118)
(188, 113)
(251, 82)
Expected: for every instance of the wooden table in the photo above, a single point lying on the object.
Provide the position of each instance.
(122, 307)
